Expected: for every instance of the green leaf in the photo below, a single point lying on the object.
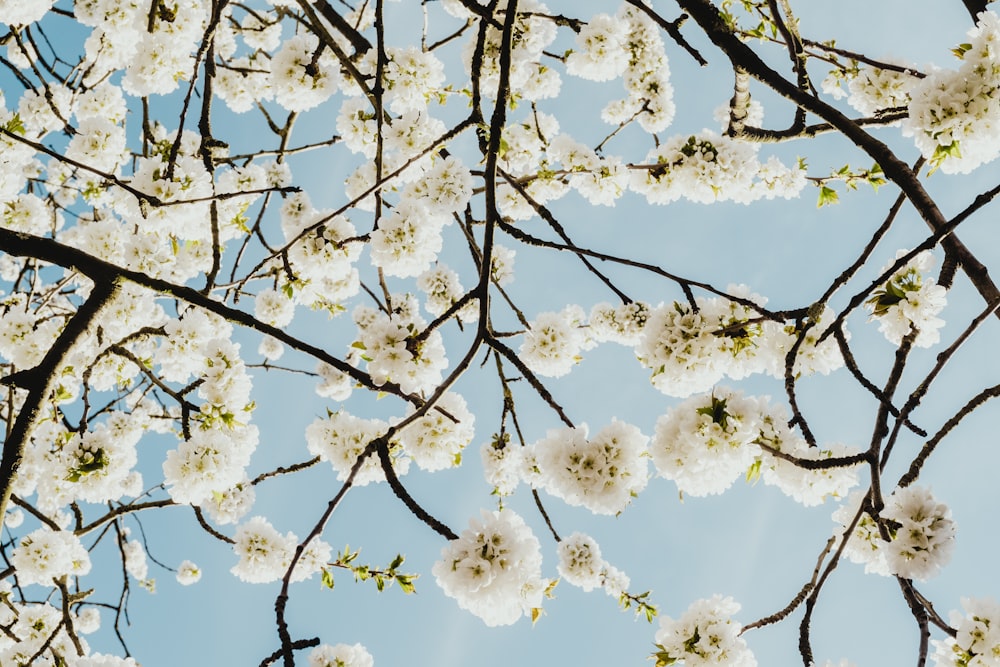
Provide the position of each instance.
(717, 411)
(650, 612)
(406, 583)
(327, 578)
(692, 642)
(961, 50)
(942, 153)
(15, 125)
(663, 658)
(895, 290)
(827, 196)
(89, 463)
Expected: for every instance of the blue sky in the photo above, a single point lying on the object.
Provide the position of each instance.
(751, 543)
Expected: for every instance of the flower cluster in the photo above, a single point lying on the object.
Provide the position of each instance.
(553, 342)
(682, 347)
(580, 561)
(340, 655)
(871, 89)
(341, 438)
(627, 45)
(600, 180)
(265, 554)
(299, 79)
(922, 533)
(321, 258)
(408, 240)
(707, 168)
(45, 554)
(954, 114)
(603, 473)
(529, 78)
(977, 638)
(621, 324)
(443, 290)
(411, 77)
(909, 301)
(690, 349)
(581, 564)
(23, 12)
(874, 89)
(708, 441)
(37, 631)
(704, 635)
(436, 440)
(502, 465)
(210, 461)
(188, 573)
(807, 486)
(395, 347)
(865, 545)
(920, 530)
(494, 569)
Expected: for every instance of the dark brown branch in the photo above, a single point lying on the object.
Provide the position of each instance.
(41, 380)
(357, 40)
(708, 17)
(975, 7)
(48, 250)
(672, 28)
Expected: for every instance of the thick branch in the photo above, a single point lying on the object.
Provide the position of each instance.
(48, 250)
(41, 380)
(741, 56)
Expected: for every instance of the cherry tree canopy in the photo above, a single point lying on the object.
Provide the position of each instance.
(662, 327)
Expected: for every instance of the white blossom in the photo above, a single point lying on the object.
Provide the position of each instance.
(704, 635)
(341, 438)
(493, 569)
(923, 534)
(45, 554)
(265, 554)
(910, 300)
(977, 638)
(341, 655)
(580, 561)
(602, 472)
(188, 573)
(707, 442)
(435, 441)
(554, 341)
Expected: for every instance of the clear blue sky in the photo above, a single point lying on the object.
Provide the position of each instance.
(751, 543)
